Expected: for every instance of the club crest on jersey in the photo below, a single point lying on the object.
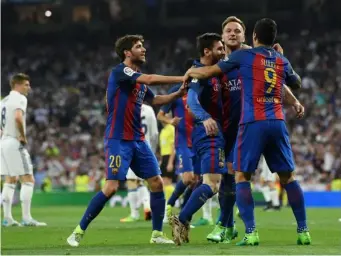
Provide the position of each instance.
(128, 71)
(139, 94)
(215, 84)
(114, 170)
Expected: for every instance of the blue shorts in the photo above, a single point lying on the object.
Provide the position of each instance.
(268, 137)
(185, 160)
(122, 154)
(210, 150)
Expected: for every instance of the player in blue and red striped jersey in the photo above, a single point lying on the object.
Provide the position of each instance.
(233, 35)
(205, 102)
(183, 121)
(124, 143)
(262, 130)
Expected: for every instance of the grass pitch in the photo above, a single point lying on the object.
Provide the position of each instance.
(106, 235)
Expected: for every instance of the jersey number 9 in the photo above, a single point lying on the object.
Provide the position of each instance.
(3, 117)
(271, 78)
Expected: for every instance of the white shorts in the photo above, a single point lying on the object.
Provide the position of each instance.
(131, 175)
(15, 159)
(266, 174)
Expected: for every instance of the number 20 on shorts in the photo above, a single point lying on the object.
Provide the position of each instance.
(115, 163)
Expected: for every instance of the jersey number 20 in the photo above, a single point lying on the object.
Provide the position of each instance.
(271, 78)
(3, 117)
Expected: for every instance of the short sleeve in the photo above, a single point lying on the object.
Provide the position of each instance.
(166, 108)
(20, 103)
(231, 62)
(149, 95)
(124, 73)
(292, 79)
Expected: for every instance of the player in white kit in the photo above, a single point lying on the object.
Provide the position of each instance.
(138, 194)
(268, 183)
(15, 160)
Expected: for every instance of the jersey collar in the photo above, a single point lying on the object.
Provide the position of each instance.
(197, 63)
(15, 92)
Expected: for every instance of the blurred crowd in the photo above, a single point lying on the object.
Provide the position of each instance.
(66, 111)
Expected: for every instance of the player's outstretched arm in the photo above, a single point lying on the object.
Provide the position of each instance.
(162, 117)
(203, 72)
(158, 79)
(165, 99)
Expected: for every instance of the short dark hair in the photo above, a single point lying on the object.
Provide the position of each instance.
(206, 41)
(233, 19)
(126, 43)
(266, 31)
(18, 79)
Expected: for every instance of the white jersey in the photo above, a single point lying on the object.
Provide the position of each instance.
(149, 125)
(15, 160)
(9, 105)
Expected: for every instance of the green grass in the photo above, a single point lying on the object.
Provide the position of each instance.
(107, 235)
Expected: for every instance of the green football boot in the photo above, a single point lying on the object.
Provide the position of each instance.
(304, 238)
(218, 234)
(249, 239)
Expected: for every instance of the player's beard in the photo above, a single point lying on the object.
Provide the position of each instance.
(217, 58)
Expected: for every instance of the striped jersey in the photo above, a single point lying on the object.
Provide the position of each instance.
(263, 72)
(179, 108)
(124, 98)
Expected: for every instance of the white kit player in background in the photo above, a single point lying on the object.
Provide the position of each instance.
(268, 183)
(15, 160)
(138, 193)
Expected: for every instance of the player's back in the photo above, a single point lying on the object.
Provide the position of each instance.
(9, 105)
(263, 71)
(124, 98)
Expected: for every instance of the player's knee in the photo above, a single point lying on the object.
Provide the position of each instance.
(11, 180)
(212, 180)
(132, 184)
(110, 187)
(272, 185)
(188, 178)
(242, 177)
(155, 183)
(27, 178)
(286, 178)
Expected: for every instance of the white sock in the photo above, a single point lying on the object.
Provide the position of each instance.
(133, 199)
(26, 193)
(266, 193)
(144, 197)
(7, 199)
(207, 209)
(274, 197)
